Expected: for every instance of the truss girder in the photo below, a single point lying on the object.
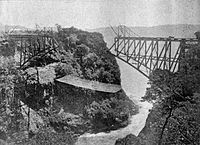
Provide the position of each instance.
(147, 54)
(33, 45)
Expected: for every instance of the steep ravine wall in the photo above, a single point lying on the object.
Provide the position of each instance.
(84, 55)
(74, 98)
(174, 118)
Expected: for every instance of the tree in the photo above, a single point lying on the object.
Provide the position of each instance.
(176, 102)
(80, 52)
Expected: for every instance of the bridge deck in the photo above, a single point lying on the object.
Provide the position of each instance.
(150, 53)
(159, 39)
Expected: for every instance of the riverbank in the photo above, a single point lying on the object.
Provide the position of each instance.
(136, 125)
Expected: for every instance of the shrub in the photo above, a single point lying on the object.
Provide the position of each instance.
(47, 136)
(108, 114)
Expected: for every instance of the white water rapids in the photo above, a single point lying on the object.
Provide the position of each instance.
(134, 85)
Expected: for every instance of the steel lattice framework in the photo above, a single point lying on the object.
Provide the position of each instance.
(146, 54)
(34, 45)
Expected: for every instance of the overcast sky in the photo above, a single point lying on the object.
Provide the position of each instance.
(99, 13)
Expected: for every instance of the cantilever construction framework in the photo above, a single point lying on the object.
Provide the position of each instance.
(33, 45)
(146, 54)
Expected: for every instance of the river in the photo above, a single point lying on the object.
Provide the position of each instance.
(134, 85)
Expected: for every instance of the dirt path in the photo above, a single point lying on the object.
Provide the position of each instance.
(137, 123)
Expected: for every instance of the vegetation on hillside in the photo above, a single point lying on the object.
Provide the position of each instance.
(177, 103)
(90, 52)
(6, 48)
(175, 116)
(110, 114)
(31, 92)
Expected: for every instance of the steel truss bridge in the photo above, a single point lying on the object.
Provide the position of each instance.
(147, 54)
(33, 45)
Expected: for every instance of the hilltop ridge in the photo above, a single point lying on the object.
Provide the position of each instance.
(180, 30)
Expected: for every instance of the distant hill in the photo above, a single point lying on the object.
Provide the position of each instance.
(5, 28)
(181, 30)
